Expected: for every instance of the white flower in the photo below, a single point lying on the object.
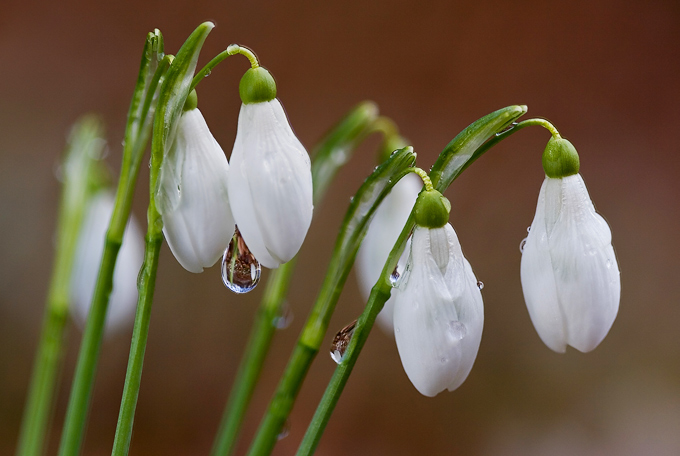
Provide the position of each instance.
(123, 300)
(438, 313)
(381, 235)
(270, 184)
(569, 272)
(192, 195)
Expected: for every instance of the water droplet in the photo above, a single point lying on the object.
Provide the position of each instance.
(207, 73)
(480, 284)
(609, 264)
(285, 430)
(457, 331)
(394, 277)
(528, 229)
(522, 244)
(240, 269)
(285, 317)
(443, 360)
(341, 341)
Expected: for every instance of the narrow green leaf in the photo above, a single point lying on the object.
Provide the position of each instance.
(460, 152)
(336, 146)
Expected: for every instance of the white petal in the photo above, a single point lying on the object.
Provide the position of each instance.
(438, 317)
(123, 300)
(381, 235)
(270, 185)
(575, 263)
(192, 198)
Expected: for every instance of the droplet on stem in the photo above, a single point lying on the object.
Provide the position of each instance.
(394, 277)
(341, 341)
(285, 316)
(285, 430)
(240, 269)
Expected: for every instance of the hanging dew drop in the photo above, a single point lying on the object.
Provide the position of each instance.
(341, 341)
(480, 285)
(240, 269)
(522, 244)
(528, 229)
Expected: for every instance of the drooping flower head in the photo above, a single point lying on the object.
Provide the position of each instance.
(192, 196)
(438, 310)
(270, 181)
(569, 272)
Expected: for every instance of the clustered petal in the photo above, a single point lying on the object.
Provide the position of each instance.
(569, 272)
(381, 235)
(192, 196)
(438, 313)
(123, 300)
(270, 184)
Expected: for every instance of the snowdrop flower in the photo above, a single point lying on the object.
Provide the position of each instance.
(381, 235)
(569, 272)
(270, 180)
(438, 310)
(192, 195)
(88, 254)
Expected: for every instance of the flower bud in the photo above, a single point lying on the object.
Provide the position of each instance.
(560, 158)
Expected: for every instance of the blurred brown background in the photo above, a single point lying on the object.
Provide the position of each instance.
(605, 72)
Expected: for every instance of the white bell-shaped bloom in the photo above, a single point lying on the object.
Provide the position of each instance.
(192, 195)
(438, 313)
(88, 254)
(270, 184)
(381, 235)
(569, 272)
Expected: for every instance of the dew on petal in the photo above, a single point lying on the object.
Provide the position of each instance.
(456, 331)
(609, 264)
(480, 284)
(240, 269)
(341, 341)
(528, 229)
(522, 244)
(284, 318)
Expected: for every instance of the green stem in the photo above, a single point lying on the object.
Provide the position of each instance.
(136, 136)
(253, 359)
(232, 49)
(140, 334)
(171, 99)
(81, 174)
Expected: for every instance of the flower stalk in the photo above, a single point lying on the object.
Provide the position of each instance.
(136, 137)
(80, 171)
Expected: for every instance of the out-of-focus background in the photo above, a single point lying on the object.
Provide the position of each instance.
(605, 72)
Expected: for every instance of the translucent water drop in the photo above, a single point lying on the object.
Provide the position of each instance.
(240, 269)
(528, 229)
(480, 284)
(609, 264)
(456, 331)
(394, 277)
(285, 317)
(207, 73)
(341, 341)
(443, 360)
(522, 244)
(285, 430)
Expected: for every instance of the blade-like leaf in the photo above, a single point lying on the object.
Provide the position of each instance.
(460, 152)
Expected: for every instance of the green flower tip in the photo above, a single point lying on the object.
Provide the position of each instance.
(192, 101)
(257, 86)
(432, 209)
(560, 158)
